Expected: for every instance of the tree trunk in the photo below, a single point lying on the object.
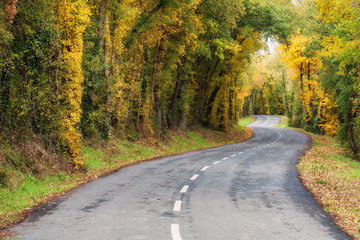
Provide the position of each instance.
(350, 130)
(107, 46)
(174, 97)
(155, 85)
(4, 94)
(153, 74)
(203, 99)
(301, 79)
(285, 97)
(182, 120)
(183, 93)
(200, 93)
(158, 111)
(102, 19)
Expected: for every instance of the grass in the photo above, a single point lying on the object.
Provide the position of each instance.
(330, 172)
(246, 121)
(283, 122)
(28, 191)
(31, 190)
(93, 158)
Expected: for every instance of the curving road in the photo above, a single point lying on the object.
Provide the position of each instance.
(248, 190)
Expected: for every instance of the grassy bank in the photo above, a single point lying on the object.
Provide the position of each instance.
(330, 172)
(24, 191)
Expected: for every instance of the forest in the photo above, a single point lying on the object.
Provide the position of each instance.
(74, 70)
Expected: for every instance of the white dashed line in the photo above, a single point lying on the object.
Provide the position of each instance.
(175, 232)
(175, 228)
(204, 168)
(177, 206)
(193, 178)
(184, 189)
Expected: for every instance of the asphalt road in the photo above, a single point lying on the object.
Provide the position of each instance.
(248, 190)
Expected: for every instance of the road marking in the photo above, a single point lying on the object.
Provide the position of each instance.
(175, 232)
(241, 152)
(247, 150)
(177, 206)
(193, 178)
(233, 155)
(204, 168)
(224, 158)
(184, 189)
(216, 162)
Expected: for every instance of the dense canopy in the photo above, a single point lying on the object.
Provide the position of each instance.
(73, 69)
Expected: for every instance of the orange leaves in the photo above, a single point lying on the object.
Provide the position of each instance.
(11, 10)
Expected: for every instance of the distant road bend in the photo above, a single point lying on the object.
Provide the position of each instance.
(248, 190)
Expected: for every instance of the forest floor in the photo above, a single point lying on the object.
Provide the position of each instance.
(25, 191)
(331, 173)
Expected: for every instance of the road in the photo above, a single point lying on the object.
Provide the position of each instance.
(248, 190)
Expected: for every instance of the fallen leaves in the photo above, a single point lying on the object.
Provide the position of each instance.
(327, 171)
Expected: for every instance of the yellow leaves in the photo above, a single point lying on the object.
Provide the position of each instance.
(194, 5)
(73, 16)
(311, 95)
(190, 40)
(73, 20)
(335, 10)
(181, 51)
(220, 48)
(328, 118)
(332, 46)
(326, 7)
(293, 55)
(335, 46)
(343, 40)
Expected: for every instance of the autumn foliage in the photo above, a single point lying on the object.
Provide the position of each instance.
(100, 69)
(74, 70)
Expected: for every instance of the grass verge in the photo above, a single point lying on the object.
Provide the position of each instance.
(246, 121)
(284, 123)
(330, 173)
(18, 199)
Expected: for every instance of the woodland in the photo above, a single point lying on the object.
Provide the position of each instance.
(74, 70)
